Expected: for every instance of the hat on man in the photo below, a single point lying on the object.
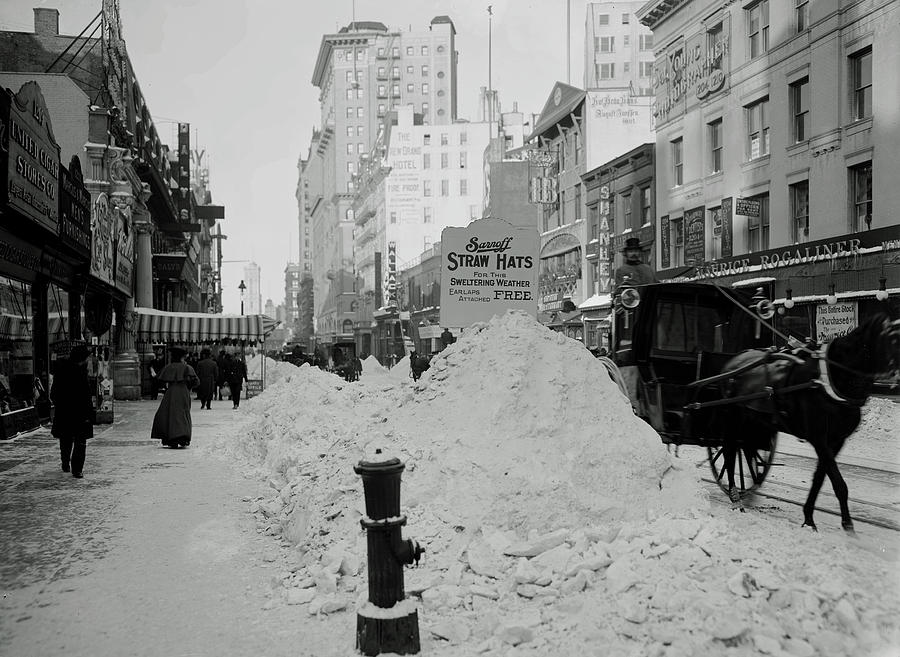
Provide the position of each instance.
(177, 353)
(632, 243)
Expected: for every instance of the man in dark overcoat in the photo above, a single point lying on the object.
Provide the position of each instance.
(237, 374)
(208, 371)
(73, 419)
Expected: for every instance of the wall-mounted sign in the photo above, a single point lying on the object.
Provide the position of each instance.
(747, 207)
(183, 175)
(694, 236)
(391, 277)
(665, 254)
(487, 268)
(102, 241)
(403, 187)
(168, 268)
(835, 321)
(33, 159)
(74, 209)
(727, 228)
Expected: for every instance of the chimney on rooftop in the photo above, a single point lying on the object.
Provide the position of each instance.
(46, 21)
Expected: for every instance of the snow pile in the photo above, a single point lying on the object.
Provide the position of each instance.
(552, 518)
(371, 367)
(275, 370)
(879, 425)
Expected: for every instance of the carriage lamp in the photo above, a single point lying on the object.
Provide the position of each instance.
(630, 298)
(789, 299)
(831, 299)
(882, 293)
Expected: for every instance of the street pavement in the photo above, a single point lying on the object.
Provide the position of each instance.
(154, 552)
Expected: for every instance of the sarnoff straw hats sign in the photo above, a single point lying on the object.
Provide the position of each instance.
(487, 267)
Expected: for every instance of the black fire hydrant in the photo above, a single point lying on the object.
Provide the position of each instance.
(387, 623)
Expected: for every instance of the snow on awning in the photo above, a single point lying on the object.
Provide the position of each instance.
(596, 301)
(162, 326)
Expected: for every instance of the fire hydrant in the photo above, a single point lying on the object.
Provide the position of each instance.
(386, 623)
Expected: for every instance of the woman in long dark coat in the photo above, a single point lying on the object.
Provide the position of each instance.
(73, 419)
(208, 372)
(172, 422)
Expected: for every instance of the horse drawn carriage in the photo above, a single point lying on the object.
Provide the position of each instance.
(704, 366)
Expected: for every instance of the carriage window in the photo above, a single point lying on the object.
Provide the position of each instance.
(688, 328)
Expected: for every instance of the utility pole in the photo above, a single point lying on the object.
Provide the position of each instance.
(490, 88)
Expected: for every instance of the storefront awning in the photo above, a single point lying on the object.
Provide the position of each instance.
(161, 326)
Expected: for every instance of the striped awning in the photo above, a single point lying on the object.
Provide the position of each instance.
(159, 326)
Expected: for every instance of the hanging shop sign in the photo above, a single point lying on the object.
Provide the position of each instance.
(694, 236)
(183, 195)
(487, 268)
(102, 247)
(390, 283)
(833, 321)
(168, 268)
(33, 159)
(124, 247)
(665, 243)
(74, 209)
(727, 228)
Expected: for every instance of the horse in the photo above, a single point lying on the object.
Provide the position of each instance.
(817, 396)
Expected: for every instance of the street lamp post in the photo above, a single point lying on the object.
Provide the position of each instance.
(242, 287)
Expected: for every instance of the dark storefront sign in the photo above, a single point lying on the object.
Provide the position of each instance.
(748, 207)
(168, 268)
(845, 246)
(33, 159)
(727, 228)
(74, 209)
(183, 196)
(664, 242)
(392, 275)
(645, 234)
(694, 236)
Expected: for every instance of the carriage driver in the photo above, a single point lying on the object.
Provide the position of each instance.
(633, 271)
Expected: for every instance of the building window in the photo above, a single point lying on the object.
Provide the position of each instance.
(445, 187)
(349, 94)
(409, 50)
(359, 112)
(395, 51)
(676, 228)
(424, 50)
(360, 148)
(603, 19)
(678, 162)
(626, 67)
(350, 186)
(359, 131)
(757, 129)
(646, 69)
(646, 208)
(606, 71)
(861, 188)
(626, 40)
(349, 130)
(715, 146)
(625, 19)
(463, 187)
(349, 112)
(607, 44)
(625, 202)
(714, 226)
(393, 217)
(801, 13)
(424, 87)
(444, 139)
(646, 42)
(360, 54)
(410, 88)
(382, 91)
(426, 188)
(758, 28)
(424, 70)
(395, 72)
(395, 90)
(861, 72)
(426, 160)
(349, 167)
(445, 160)
(473, 212)
(577, 202)
(424, 108)
(758, 227)
(359, 93)
(349, 76)
(427, 216)
(349, 149)
(800, 110)
(410, 70)
(381, 108)
(800, 211)
(462, 160)
(426, 139)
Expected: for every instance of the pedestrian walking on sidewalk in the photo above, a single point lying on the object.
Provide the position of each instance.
(237, 374)
(208, 372)
(73, 419)
(172, 422)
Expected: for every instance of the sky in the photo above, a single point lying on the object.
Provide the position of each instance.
(239, 72)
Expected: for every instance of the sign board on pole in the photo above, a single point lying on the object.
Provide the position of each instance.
(487, 268)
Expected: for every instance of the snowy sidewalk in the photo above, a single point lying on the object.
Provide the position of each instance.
(152, 553)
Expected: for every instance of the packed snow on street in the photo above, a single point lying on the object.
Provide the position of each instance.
(554, 520)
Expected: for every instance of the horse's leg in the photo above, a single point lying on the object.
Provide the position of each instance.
(729, 453)
(840, 491)
(809, 507)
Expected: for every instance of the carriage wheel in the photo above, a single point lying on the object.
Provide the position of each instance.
(752, 463)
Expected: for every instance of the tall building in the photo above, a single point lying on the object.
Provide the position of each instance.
(292, 276)
(618, 48)
(777, 147)
(363, 72)
(252, 293)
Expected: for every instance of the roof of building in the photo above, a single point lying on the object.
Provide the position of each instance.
(364, 26)
(444, 20)
(563, 100)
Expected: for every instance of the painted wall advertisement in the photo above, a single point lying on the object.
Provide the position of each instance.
(833, 321)
(404, 186)
(694, 236)
(33, 159)
(102, 247)
(487, 268)
(616, 120)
